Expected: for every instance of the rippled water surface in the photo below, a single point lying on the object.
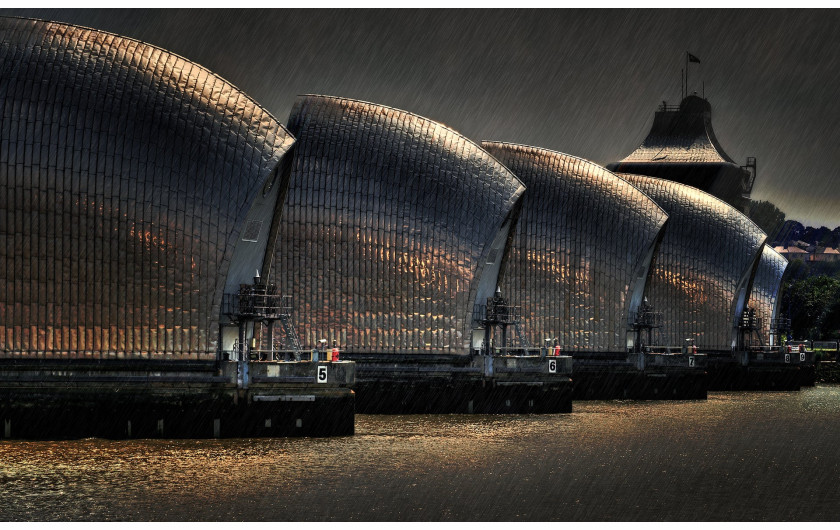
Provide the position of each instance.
(751, 456)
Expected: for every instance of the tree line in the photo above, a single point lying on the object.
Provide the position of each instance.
(810, 293)
(784, 232)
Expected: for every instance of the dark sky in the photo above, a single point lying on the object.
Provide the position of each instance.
(581, 82)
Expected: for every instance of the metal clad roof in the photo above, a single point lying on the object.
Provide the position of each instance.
(708, 253)
(583, 238)
(127, 172)
(682, 146)
(681, 136)
(386, 227)
(766, 286)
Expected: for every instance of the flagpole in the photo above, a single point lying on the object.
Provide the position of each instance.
(685, 94)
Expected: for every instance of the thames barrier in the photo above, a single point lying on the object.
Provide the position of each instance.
(178, 263)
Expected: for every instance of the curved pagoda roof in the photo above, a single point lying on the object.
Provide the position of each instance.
(682, 146)
(681, 135)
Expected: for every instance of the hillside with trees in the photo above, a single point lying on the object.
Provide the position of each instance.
(810, 294)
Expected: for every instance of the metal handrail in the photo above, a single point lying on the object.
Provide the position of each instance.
(505, 314)
(648, 319)
(257, 305)
(780, 324)
(528, 351)
(668, 349)
(769, 349)
(664, 107)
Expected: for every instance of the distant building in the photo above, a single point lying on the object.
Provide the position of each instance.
(812, 253)
(791, 252)
(681, 146)
(825, 254)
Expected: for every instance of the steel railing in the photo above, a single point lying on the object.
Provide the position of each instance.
(257, 305)
(648, 319)
(503, 314)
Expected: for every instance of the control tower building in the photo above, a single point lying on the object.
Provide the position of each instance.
(681, 146)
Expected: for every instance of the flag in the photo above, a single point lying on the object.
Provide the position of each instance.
(692, 58)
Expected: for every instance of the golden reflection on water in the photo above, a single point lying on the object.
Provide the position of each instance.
(605, 461)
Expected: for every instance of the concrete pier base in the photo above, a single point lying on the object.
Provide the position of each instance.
(64, 400)
(807, 375)
(646, 376)
(807, 368)
(479, 385)
(828, 372)
(765, 371)
(463, 397)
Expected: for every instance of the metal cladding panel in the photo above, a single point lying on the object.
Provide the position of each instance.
(127, 172)
(708, 249)
(387, 227)
(765, 288)
(582, 236)
(725, 181)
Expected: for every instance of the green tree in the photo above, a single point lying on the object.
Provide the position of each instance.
(767, 216)
(813, 304)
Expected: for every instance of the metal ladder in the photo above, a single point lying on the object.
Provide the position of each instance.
(293, 342)
(523, 341)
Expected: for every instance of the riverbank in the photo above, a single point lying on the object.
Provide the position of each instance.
(828, 372)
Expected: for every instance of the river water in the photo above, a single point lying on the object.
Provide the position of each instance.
(739, 455)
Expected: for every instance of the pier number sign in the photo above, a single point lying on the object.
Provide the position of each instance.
(787, 357)
(552, 366)
(802, 357)
(690, 361)
(322, 374)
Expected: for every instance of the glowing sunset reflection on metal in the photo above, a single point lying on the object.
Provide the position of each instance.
(386, 228)
(127, 173)
(581, 247)
(702, 269)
